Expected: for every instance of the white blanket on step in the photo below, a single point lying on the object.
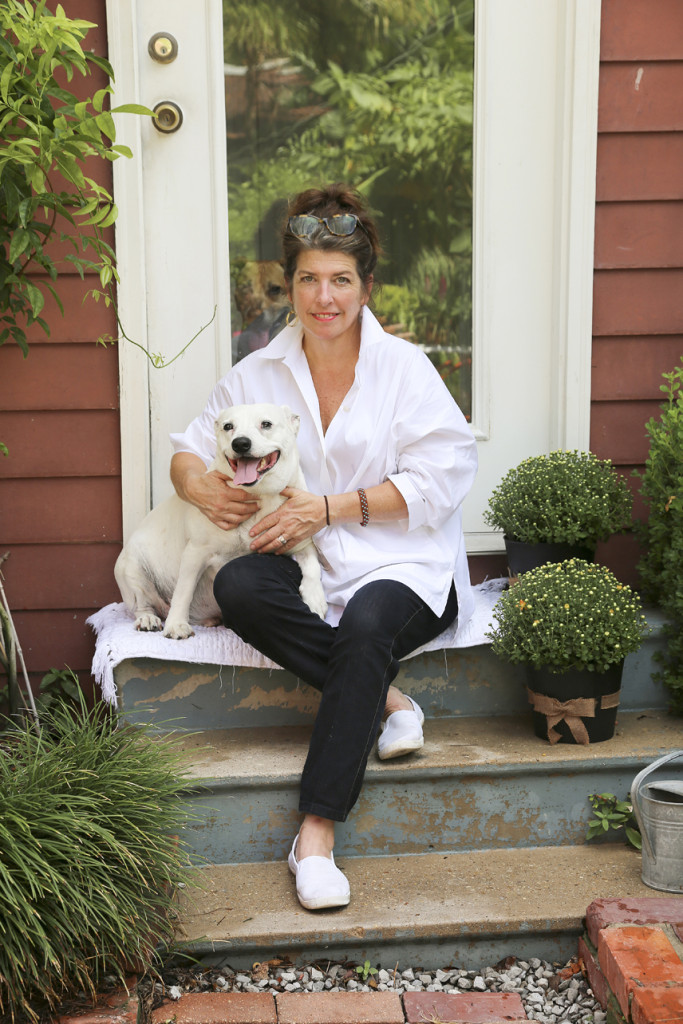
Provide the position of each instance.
(118, 640)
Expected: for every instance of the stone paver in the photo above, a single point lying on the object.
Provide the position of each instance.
(465, 1008)
(339, 1008)
(218, 1008)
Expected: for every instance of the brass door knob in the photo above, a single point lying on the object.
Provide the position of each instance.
(168, 117)
(163, 47)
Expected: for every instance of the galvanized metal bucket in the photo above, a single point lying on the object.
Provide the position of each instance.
(658, 807)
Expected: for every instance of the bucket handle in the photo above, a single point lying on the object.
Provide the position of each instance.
(636, 788)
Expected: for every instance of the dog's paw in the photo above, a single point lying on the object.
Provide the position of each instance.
(312, 595)
(178, 630)
(149, 623)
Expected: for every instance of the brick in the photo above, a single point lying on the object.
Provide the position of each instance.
(637, 956)
(102, 1015)
(463, 1008)
(339, 1008)
(643, 910)
(117, 1007)
(596, 979)
(657, 1006)
(614, 1014)
(218, 1008)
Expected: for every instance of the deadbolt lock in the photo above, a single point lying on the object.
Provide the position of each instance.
(163, 47)
(168, 117)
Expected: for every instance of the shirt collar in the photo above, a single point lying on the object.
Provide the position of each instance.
(288, 341)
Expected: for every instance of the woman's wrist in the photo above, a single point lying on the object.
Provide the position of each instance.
(349, 507)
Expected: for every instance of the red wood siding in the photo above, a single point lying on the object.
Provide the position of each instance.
(638, 293)
(60, 489)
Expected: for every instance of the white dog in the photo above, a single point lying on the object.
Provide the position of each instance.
(167, 568)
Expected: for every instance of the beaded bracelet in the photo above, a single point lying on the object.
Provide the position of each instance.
(364, 507)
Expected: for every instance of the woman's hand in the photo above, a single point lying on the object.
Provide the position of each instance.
(224, 505)
(302, 515)
(211, 493)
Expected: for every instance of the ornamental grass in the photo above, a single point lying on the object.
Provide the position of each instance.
(568, 615)
(566, 497)
(90, 858)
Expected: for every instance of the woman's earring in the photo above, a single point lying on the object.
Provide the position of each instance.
(291, 318)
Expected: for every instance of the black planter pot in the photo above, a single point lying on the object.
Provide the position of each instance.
(598, 693)
(523, 556)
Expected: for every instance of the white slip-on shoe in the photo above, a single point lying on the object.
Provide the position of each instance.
(319, 882)
(401, 733)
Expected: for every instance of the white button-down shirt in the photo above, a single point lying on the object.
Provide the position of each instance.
(398, 422)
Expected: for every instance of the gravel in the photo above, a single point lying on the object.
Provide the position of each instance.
(551, 993)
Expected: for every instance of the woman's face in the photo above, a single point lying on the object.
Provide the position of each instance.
(327, 295)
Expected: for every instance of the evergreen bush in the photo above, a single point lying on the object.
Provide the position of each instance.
(661, 567)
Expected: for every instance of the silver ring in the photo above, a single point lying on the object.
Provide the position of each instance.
(282, 540)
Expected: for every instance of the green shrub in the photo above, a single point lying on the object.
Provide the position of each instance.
(662, 534)
(89, 856)
(566, 497)
(565, 615)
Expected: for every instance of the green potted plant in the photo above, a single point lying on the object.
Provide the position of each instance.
(572, 623)
(562, 504)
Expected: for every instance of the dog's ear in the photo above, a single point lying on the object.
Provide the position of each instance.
(293, 417)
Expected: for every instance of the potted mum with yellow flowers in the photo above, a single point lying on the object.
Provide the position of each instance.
(557, 506)
(572, 623)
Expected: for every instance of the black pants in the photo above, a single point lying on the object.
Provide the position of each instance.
(351, 664)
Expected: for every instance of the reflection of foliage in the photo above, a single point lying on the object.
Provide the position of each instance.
(378, 93)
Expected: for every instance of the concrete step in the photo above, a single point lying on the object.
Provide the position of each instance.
(477, 783)
(447, 683)
(428, 909)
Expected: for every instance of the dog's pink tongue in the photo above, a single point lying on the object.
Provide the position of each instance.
(246, 472)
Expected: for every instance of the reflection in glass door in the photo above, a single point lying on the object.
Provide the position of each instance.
(376, 93)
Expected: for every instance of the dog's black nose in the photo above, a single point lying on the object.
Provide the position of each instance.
(241, 445)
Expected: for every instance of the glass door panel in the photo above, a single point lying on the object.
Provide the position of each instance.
(376, 93)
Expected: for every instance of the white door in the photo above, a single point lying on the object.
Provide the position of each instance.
(536, 74)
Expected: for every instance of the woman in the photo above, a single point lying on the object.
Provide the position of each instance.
(388, 458)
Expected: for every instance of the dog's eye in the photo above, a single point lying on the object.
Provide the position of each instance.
(266, 425)
(227, 426)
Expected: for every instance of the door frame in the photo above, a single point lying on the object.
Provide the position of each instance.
(536, 100)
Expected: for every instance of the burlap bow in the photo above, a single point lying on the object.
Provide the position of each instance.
(570, 711)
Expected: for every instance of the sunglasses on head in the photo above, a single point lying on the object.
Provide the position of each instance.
(306, 224)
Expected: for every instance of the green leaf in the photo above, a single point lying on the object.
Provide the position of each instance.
(105, 122)
(5, 80)
(133, 108)
(634, 837)
(21, 240)
(35, 297)
(99, 98)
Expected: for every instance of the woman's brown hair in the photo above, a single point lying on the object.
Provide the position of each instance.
(363, 245)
